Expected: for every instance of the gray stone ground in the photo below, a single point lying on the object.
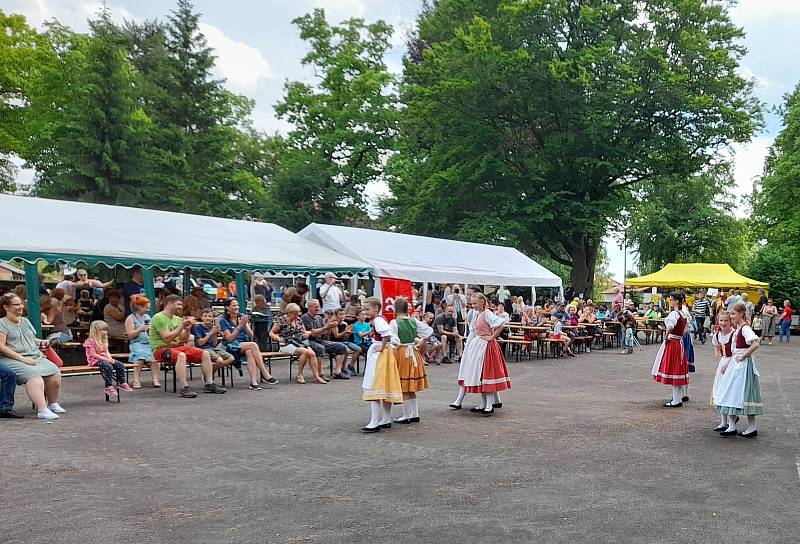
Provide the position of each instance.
(581, 452)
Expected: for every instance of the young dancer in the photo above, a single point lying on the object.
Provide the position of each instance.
(381, 383)
(739, 392)
(97, 355)
(723, 344)
(412, 335)
(483, 367)
(671, 366)
(688, 346)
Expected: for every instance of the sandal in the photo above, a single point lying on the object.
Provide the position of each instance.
(156, 385)
(321, 380)
(136, 385)
(301, 380)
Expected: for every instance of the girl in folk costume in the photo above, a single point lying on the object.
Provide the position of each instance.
(723, 344)
(671, 366)
(483, 367)
(412, 335)
(688, 346)
(381, 383)
(738, 391)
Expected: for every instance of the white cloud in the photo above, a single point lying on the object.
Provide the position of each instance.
(761, 81)
(748, 166)
(750, 11)
(241, 64)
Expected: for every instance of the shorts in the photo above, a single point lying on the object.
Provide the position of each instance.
(433, 341)
(352, 347)
(326, 347)
(289, 349)
(169, 354)
(219, 352)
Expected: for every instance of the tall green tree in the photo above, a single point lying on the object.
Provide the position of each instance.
(345, 123)
(537, 118)
(778, 199)
(93, 149)
(679, 219)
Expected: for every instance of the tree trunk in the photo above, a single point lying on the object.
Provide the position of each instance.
(584, 257)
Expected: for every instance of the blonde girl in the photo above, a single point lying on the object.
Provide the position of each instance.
(97, 355)
(137, 327)
(722, 340)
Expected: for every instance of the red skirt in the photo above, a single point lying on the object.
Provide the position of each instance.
(494, 377)
(674, 366)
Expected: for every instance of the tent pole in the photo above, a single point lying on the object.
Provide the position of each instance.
(533, 296)
(187, 282)
(240, 291)
(424, 296)
(149, 289)
(32, 292)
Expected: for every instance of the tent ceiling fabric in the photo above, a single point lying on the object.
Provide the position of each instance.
(424, 259)
(56, 230)
(696, 275)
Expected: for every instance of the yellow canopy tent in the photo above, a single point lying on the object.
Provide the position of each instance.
(696, 275)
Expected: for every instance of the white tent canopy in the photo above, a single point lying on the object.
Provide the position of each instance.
(56, 230)
(424, 259)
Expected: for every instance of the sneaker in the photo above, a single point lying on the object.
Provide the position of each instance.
(187, 392)
(46, 414)
(213, 388)
(341, 376)
(56, 408)
(447, 361)
(271, 380)
(346, 372)
(255, 387)
(110, 391)
(126, 387)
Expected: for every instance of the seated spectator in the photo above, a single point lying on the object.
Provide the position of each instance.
(85, 306)
(114, 316)
(137, 327)
(195, 303)
(20, 352)
(261, 319)
(434, 350)
(352, 309)
(22, 294)
(222, 293)
(517, 309)
(446, 331)
(559, 312)
(362, 332)
(85, 282)
(8, 384)
(316, 325)
(54, 316)
(70, 311)
(97, 354)
(602, 312)
(168, 336)
(558, 334)
(292, 336)
(67, 285)
(344, 333)
(238, 335)
(294, 295)
(100, 304)
(206, 336)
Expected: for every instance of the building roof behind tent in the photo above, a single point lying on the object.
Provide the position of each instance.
(437, 260)
(56, 230)
(719, 275)
(11, 268)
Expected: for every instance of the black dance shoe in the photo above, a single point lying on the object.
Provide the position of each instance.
(371, 429)
(476, 409)
(669, 404)
(728, 434)
(497, 405)
(749, 435)
(385, 425)
(685, 399)
(402, 421)
(455, 406)
(720, 428)
(414, 420)
(487, 413)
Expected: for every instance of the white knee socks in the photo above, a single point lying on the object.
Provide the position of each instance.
(413, 407)
(495, 398)
(387, 413)
(375, 413)
(751, 424)
(731, 423)
(677, 394)
(461, 394)
(484, 401)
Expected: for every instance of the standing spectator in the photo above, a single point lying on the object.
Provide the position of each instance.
(331, 293)
(85, 282)
(768, 315)
(733, 298)
(503, 294)
(239, 337)
(618, 297)
(20, 353)
(786, 322)
(259, 285)
(701, 309)
(317, 327)
(55, 316)
(222, 293)
(261, 319)
(749, 308)
(446, 331)
(232, 289)
(67, 285)
(762, 300)
(137, 327)
(295, 294)
(168, 336)
(460, 306)
(134, 287)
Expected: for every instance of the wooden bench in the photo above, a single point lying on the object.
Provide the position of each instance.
(86, 370)
(519, 343)
(553, 343)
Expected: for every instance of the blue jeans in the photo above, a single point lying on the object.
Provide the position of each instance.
(8, 383)
(785, 324)
(351, 346)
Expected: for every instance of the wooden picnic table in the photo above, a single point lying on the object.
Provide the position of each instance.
(527, 327)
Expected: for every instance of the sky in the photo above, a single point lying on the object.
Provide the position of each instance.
(259, 49)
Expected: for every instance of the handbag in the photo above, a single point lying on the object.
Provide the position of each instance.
(299, 341)
(52, 356)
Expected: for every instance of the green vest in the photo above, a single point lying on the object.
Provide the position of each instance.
(406, 330)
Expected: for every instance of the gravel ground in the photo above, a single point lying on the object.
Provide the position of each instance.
(582, 451)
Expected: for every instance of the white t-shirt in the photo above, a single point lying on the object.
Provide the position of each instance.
(503, 294)
(331, 297)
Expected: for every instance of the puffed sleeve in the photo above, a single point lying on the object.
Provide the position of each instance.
(494, 320)
(423, 329)
(715, 339)
(672, 319)
(383, 328)
(749, 335)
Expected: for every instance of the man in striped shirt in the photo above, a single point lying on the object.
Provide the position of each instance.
(700, 310)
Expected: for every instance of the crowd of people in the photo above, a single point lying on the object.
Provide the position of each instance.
(450, 325)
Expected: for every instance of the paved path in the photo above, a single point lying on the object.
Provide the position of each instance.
(581, 452)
